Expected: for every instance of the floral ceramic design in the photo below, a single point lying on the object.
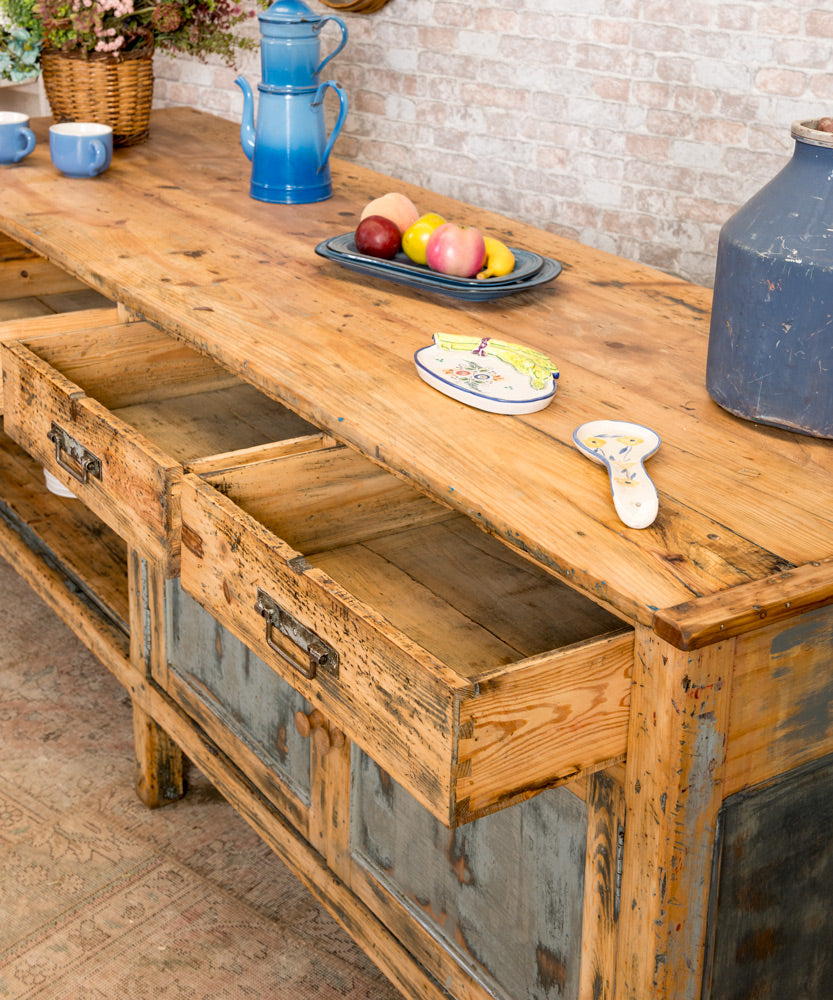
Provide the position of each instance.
(488, 374)
(623, 447)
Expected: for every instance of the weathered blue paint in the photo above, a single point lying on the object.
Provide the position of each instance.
(248, 696)
(504, 893)
(771, 337)
(771, 919)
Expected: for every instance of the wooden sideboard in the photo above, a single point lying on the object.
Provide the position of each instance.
(518, 749)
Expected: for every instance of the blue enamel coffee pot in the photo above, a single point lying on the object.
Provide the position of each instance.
(290, 148)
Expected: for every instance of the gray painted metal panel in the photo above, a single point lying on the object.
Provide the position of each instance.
(504, 893)
(248, 696)
(772, 922)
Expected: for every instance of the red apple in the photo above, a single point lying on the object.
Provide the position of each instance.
(378, 237)
(455, 250)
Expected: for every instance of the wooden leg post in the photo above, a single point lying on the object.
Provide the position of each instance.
(158, 762)
(674, 790)
(600, 931)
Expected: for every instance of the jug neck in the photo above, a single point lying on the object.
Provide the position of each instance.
(810, 139)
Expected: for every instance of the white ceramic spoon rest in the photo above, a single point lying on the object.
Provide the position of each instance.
(623, 448)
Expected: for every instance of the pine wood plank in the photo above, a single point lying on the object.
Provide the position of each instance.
(319, 499)
(128, 363)
(33, 275)
(599, 938)
(551, 718)
(90, 551)
(425, 617)
(226, 461)
(747, 607)
(602, 316)
(136, 494)
(158, 762)
(12, 250)
(676, 763)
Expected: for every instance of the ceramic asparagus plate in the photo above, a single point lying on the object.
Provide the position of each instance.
(623, 448)
(488, 374)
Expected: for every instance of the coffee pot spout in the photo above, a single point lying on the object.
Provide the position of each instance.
(247, 122)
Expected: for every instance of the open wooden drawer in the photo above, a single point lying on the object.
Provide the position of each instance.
(473, 677)
(116, 413)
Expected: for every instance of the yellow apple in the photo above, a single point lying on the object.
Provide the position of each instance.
(415, 237)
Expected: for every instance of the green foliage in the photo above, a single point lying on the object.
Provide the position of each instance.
(97, 28)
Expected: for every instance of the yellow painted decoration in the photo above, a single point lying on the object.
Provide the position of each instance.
(534, 364)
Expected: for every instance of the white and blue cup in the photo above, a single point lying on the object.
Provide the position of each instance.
(81, 149)
(16, 138)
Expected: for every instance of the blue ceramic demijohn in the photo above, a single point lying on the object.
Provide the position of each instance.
(290, 149)
(770, 354)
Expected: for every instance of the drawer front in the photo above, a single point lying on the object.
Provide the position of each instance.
(386, 693)
(224, 678)
(503, 895)
(122, 477)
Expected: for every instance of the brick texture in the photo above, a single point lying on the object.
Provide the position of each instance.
(636, 126)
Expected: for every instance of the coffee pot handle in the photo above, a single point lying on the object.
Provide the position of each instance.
(317, 28)
(342, 114)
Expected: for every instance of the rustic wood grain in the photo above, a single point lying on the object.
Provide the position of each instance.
(86, 549)
(600, 932)
(34, 276)
(542, 725)
(630, 342)
(676, 764)
(158, 762)
(502, 718)
(135, 495)
(747, 607)
(378, 670)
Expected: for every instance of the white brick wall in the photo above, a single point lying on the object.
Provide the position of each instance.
(637, 126)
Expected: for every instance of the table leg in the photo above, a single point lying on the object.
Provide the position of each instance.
(674, 789)
(158, 769)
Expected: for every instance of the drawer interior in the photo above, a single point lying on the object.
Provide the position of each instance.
(472, 676)
(180, 400)
(31, 286)
(431, 572)
(89, 556)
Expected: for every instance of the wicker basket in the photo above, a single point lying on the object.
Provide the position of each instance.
(114, 90)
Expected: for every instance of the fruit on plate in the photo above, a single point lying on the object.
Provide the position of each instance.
(415, 238)
(456, 250)
(499, 259)
(394, 206)
(825, 124)
(378, 237)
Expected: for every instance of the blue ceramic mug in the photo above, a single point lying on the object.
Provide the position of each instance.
(16, 138)
(81, 149)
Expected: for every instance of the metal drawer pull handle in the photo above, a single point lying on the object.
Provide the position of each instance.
(319, 653)
(79, 463)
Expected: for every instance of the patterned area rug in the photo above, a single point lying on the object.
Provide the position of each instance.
(101, 898)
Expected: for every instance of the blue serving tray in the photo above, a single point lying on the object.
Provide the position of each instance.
(531, 270)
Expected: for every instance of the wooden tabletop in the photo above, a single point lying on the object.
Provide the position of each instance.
(745, 513)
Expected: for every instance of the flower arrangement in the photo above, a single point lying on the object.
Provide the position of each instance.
(97, 28)
(20, 41)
